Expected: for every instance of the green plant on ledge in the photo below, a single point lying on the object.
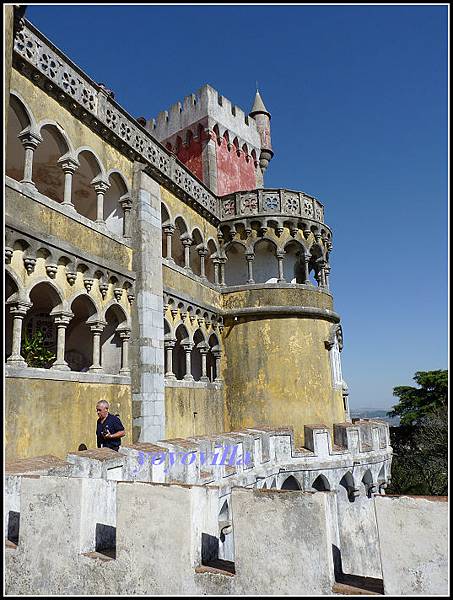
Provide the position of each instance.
(34, 352)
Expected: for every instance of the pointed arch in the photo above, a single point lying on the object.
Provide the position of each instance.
(290, 483)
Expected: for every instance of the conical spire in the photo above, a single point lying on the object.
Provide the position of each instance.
(258, 106)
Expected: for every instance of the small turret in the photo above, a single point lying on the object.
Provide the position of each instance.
(263, 123)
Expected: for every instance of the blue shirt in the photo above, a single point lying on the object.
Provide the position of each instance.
(112, 424)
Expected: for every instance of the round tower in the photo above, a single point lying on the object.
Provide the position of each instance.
(262, 118)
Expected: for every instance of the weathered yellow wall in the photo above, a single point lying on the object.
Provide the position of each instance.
(278, 373)
(190, 288)
(44, 107)
(192, 219)
(54, 417)
(36, 217)
(288, 296)
(180, 405)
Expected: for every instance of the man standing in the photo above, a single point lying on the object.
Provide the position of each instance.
(109, 428)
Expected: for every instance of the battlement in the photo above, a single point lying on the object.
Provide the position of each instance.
(206, 108)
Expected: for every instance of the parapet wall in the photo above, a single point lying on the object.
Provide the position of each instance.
(282, 541)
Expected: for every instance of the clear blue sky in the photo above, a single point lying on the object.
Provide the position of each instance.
(358, 96)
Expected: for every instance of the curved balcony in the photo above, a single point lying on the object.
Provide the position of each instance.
(280, 204)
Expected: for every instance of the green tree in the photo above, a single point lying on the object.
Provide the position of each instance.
(420, 443)
(416, 403)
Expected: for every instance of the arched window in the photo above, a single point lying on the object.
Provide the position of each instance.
(290, 483)
(198, 340)
(83, 193)
(44, 299)
(209, 265)
(179, 354)
(236, 272)
(165, 220)
(177, 245)
(113, 211)
(18, 120)
(48, 175)
(265, 266)
(111, 344)
(321, 484)
(195, 259)
(213, 353)
(79, 339)
(293, 263)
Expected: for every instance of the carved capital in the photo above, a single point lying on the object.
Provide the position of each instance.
(100, 185)
(29, 139)
(68, 164)
(62, 319)
(19, 309)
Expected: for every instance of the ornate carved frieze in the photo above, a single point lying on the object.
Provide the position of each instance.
(73, 262)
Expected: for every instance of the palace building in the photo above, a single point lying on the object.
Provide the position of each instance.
(148, 264)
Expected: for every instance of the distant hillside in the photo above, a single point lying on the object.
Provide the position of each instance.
(372, 413)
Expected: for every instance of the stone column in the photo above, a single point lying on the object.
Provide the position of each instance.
(307, 258)
(169, 345)
(216, 262)
(204, 349)
(322, 275)
(61, 321)
(169, 230)
(96, 329)
(222, 262)
(125, 335)
(202, 253)
(146, 347)
(126, 205)
(250, 258)
(69, 167)
(280, 255)
(188, 349)
(217, 356)
(326, 275)
(30, 141)
(18, 310)
(100, 187)
(186, 242)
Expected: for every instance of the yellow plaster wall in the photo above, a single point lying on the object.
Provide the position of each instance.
(192, 219)
(278, 373)
(265, 296)
(44, 107)
(34, 216)
(181, 404)
(190, 288)
(54, 417)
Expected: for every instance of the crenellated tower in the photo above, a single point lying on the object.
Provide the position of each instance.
(226, 149)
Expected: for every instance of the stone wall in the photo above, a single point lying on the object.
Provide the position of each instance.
(413, 535)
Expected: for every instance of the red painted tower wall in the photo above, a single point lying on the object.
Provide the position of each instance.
(235, 170)
(191, 156)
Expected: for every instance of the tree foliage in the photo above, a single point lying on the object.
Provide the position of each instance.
(34, 351)
(416, 403)
(420, 444)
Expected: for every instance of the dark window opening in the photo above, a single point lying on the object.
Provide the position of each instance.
(13, 527)
(210, 554)
(106, 540)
